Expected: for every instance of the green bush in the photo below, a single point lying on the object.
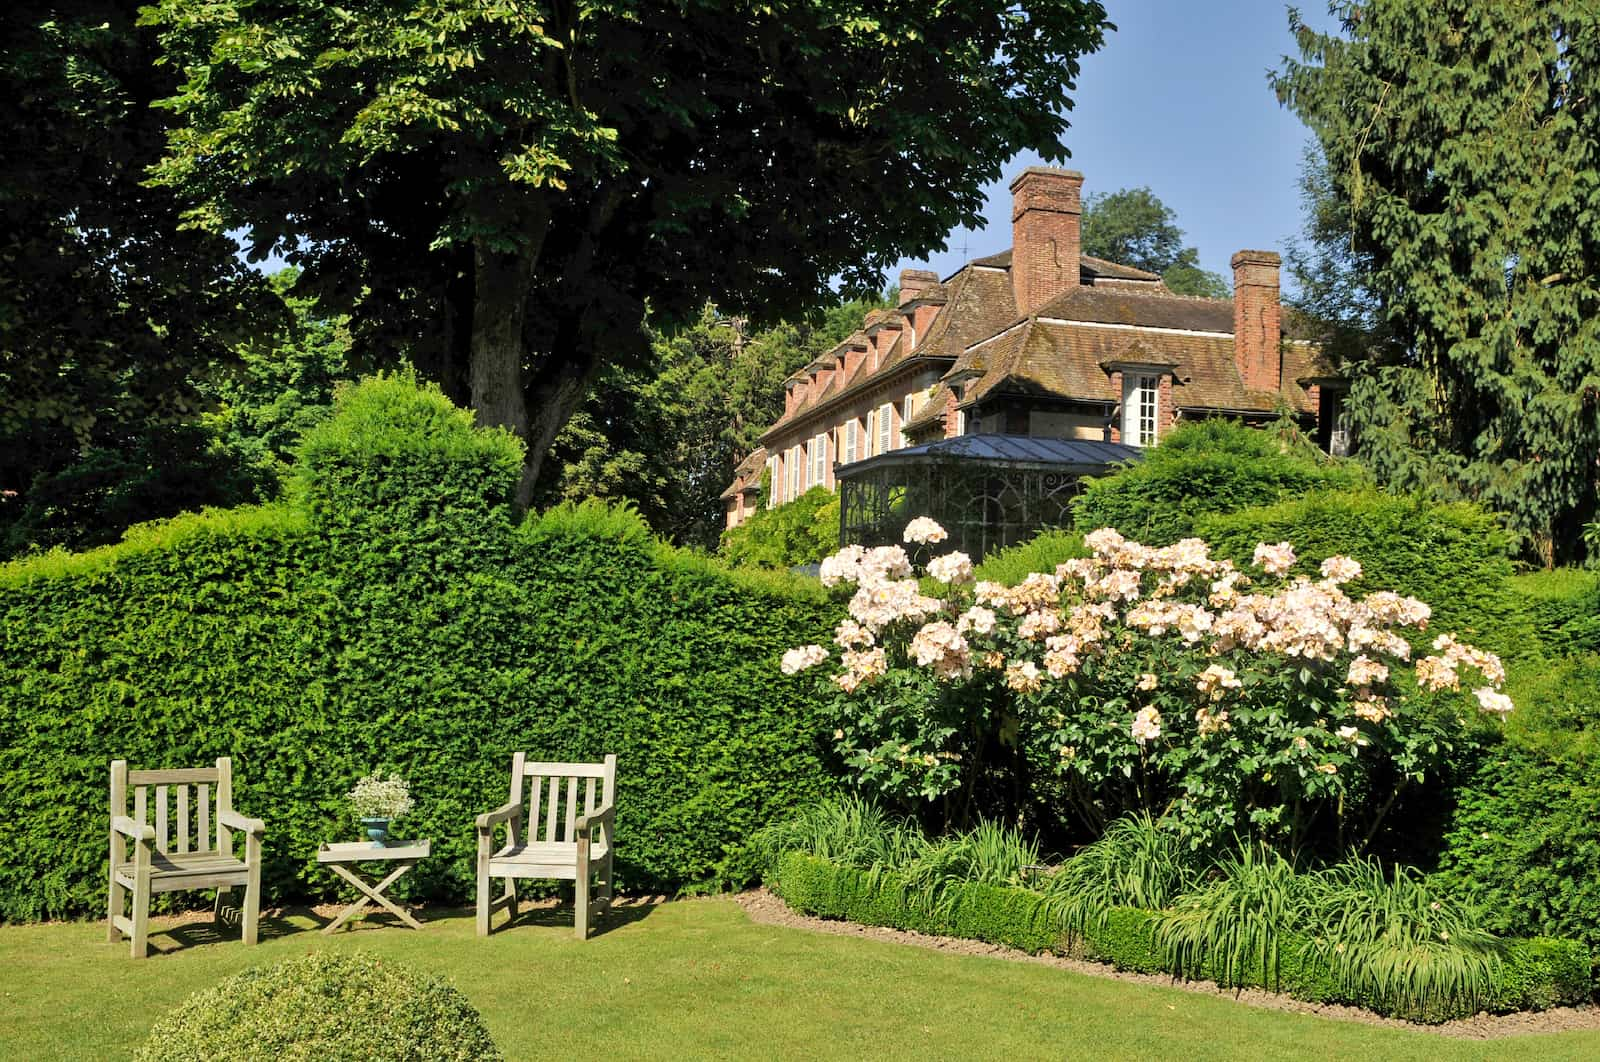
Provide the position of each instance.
(1455, 557)
(800, 532)
(1558, 706)
(390, 616)
(1204, 468)
(1564, 607)
(322, 1006)
(1038, 554)
(1524, 844)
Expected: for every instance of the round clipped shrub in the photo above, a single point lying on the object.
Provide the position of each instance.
(323, 1006)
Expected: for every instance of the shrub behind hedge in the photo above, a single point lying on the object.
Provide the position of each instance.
(1203, 468)
(392, 617)
(1564, 607)
(1525, 844)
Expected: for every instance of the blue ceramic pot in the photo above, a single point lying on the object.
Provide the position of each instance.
(377, 831)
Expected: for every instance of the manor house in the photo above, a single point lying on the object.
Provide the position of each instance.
(1045, 342)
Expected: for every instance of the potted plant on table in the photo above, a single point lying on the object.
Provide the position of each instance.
(378, 800)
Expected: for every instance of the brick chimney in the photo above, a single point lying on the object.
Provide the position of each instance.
(1257, 319)
(1046, 208)
(913, 281)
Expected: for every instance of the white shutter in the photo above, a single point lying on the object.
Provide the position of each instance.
(885, 427)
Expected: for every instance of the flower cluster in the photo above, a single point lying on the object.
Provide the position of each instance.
(381, 796)
(1125, 660)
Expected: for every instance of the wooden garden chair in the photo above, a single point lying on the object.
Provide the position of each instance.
(162, 862)
(574, 846)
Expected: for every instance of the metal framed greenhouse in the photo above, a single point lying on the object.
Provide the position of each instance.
(988, 491)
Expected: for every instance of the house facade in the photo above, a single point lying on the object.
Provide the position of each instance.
(1040, 341)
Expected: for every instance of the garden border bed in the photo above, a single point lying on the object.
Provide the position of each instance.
(1545, 985)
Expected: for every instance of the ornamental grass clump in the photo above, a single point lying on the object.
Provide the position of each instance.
(991, 853)
(1136, 863)
(848, 831)
(1221, 699)
(1394, 942)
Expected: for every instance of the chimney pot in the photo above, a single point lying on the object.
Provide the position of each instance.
(1046, 216)
(914, 281)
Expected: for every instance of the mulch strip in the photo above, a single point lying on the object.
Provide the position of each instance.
(767, 909)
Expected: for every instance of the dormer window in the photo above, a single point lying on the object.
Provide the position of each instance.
(1141, 397)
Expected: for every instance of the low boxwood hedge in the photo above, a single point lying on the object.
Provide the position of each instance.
(1535, 974)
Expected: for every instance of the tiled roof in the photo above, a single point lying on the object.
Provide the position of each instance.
(747, 476)
(1157, 308)
(1066, 360)
(976, 305)
(1113, 270)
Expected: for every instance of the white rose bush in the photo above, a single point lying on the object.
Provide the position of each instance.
(1225, 700)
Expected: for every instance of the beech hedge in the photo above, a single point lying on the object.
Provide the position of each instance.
(391, 614)
(1535, 974)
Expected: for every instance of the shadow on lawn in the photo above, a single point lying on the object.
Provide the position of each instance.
(172, 934)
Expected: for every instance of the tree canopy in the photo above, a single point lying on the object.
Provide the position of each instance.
(1133, 227)
(111, 319)
(1462, 143)
(666, 435)
(496, 189)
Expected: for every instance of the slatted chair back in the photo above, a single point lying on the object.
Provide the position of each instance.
(552, 792)
(179, 804)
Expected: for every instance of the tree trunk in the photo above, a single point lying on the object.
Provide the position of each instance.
(499, 306)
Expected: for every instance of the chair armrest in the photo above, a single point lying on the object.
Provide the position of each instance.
(134, 830)
(503, 813)
(235, 821)
(587, 823)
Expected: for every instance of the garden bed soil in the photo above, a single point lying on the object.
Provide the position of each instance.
(766, 908)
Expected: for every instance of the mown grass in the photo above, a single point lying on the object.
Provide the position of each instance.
(697, 979)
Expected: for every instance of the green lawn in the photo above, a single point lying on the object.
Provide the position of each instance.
(697, 979)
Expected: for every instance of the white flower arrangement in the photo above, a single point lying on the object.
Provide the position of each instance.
(380, 796)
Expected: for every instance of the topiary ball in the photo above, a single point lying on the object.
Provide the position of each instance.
(323, 1006)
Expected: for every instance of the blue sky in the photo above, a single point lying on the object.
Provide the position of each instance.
(1178, 100)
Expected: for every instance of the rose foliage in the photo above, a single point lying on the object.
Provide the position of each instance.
(1226, 700)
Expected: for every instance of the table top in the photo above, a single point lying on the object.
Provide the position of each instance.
(366, 852)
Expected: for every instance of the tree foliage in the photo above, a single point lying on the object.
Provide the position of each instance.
(1462, 141)
(1133, 227)
(111, 319)
(495, 189)
(667, 435)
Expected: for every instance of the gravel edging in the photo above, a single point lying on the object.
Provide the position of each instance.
(766, 908)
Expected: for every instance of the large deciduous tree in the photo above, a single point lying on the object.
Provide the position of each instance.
(111, 319)
(1133, 227)
(497, 187)
(1463, 141)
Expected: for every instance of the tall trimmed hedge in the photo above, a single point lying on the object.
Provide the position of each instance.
(1455, 557)
(391, 615)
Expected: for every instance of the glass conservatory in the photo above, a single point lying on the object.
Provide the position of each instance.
(988, 491)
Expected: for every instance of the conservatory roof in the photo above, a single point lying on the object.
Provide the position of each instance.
(1013, 451)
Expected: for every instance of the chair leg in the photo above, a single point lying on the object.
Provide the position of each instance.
(114, 904)
(510, 897)
(141, 916)
(580, 904)
(483, 900)
(250, 918)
